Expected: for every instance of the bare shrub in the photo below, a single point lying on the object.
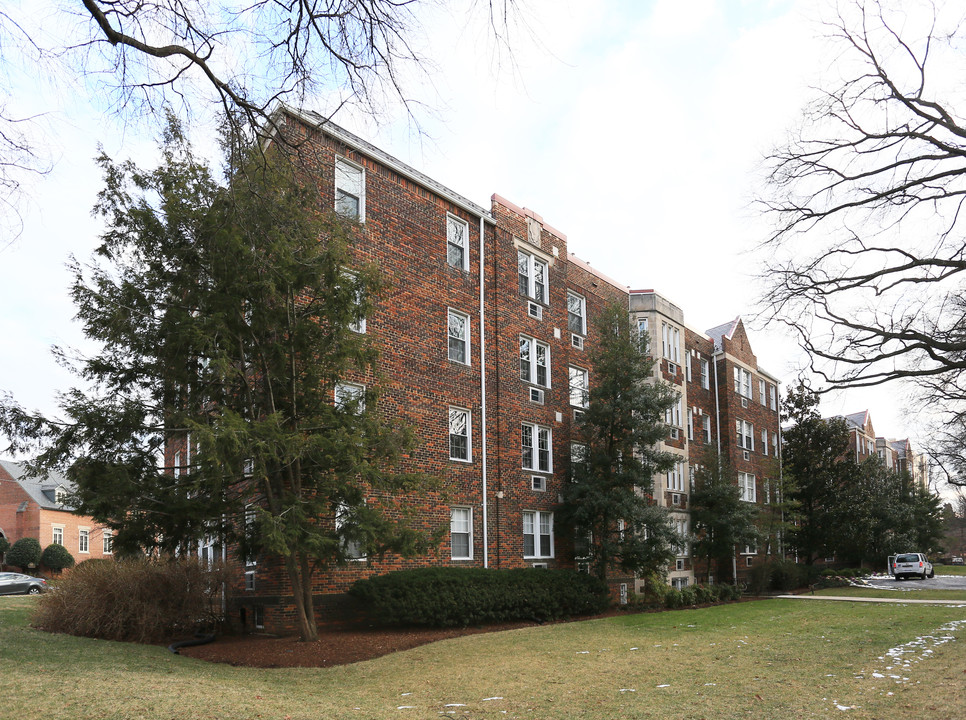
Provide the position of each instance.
(136, 600)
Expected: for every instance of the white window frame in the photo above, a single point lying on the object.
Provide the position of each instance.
(764, 441)
(746, 434)
(578, 453)
(690, 424)
(457, 237)
(579, 387)
(540, 525)
(581, 305)
(774, 444)
(356, 326)
(705, 374)
(773, 397)
(350, 178)
(532, 456)
(672, 417)
(453, 414)
(670, 343)
(527, 265)
(451, 315)
(680, 525)
(746, 487)
(761, 392)
(531, 365)
(742, 382)
(107, 540)
(353, 549)
(675, 477)
(461, 524)
(54, 532)
(345, 393)
(84, 541)
(642, 330)
(249, 519)
(706, 428)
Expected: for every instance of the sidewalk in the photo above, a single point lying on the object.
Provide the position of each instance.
(904, 601)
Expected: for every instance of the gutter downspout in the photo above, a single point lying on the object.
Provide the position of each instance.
(717, 419)
(486, 543)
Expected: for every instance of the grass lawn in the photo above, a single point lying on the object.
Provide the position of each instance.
(770, 659)
(908, 590)
(950, 569)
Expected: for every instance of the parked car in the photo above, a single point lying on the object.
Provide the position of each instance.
(12, 583)
(912, 565)
(958, 561)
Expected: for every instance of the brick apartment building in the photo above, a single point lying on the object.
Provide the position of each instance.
(484, 341)
(36, 508)
(897, 455)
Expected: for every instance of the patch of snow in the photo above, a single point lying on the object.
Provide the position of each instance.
(628, 690)
(406, 707)
(496, 697)
(455, 705)
(665, 685)
(583, 652)
(635, 648)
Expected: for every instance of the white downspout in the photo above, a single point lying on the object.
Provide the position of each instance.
(486, 541)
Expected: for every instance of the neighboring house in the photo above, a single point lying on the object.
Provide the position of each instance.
(485, 342)
(35, 507)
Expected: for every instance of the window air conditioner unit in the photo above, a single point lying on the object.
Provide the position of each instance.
(539, 566)
(577, 342)
(534, 310)
(744, 402)
(538, 482)
(536, 395)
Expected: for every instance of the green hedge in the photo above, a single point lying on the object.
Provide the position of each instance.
(454, 597)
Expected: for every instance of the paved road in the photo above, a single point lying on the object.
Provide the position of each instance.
(940, 582)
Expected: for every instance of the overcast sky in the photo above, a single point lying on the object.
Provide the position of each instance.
(634, 127)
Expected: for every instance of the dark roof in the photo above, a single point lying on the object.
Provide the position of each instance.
(42, 490)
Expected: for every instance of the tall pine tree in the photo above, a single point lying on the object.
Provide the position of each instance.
(228, 319)
(608, 500)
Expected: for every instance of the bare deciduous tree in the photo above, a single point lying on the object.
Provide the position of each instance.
(867, 259)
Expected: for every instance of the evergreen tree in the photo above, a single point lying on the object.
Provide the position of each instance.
(24, 554)
(721, 521)
(608, 500)
(227, 320)
(56, 557)
(814, 458)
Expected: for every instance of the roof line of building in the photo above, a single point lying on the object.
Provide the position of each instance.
(310, 117)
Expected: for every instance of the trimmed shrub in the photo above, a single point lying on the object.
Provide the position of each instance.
(759, 578)
(655, 589)
(454, 597)
(689, 595)
(144, 601)
(24, 553)
(673, 599)
(705, 594)
(786, 575)
(56, 557)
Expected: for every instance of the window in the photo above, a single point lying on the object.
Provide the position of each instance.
(670, 340)
(706, 428)
(764, 442)
(537, 534)
(108, 542)
(359, 323)
(532, 273)
(679, 583)
(766, 486)
(773, 397)
(458, 331)
(742, 382)
(761, 392)
(642, 334)
(351, 546)
(457, 243)
(83, 541)
(534, 361)
(576, 314)
(746, 487)
(536, 446)
(579, 393)
(350, 397)
(672, 416)
(680, 525)
(774, 444)
(459, 435)
(578, 453)
(690, 424)
(249, 518)
(58, 536)
(249, 579)
(460, 532)
(705, 374)
(746, 434)
(350, 199)
(687, 367)
(675, 477)
(60, 495)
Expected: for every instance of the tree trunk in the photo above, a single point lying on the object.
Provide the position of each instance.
(308, 630)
